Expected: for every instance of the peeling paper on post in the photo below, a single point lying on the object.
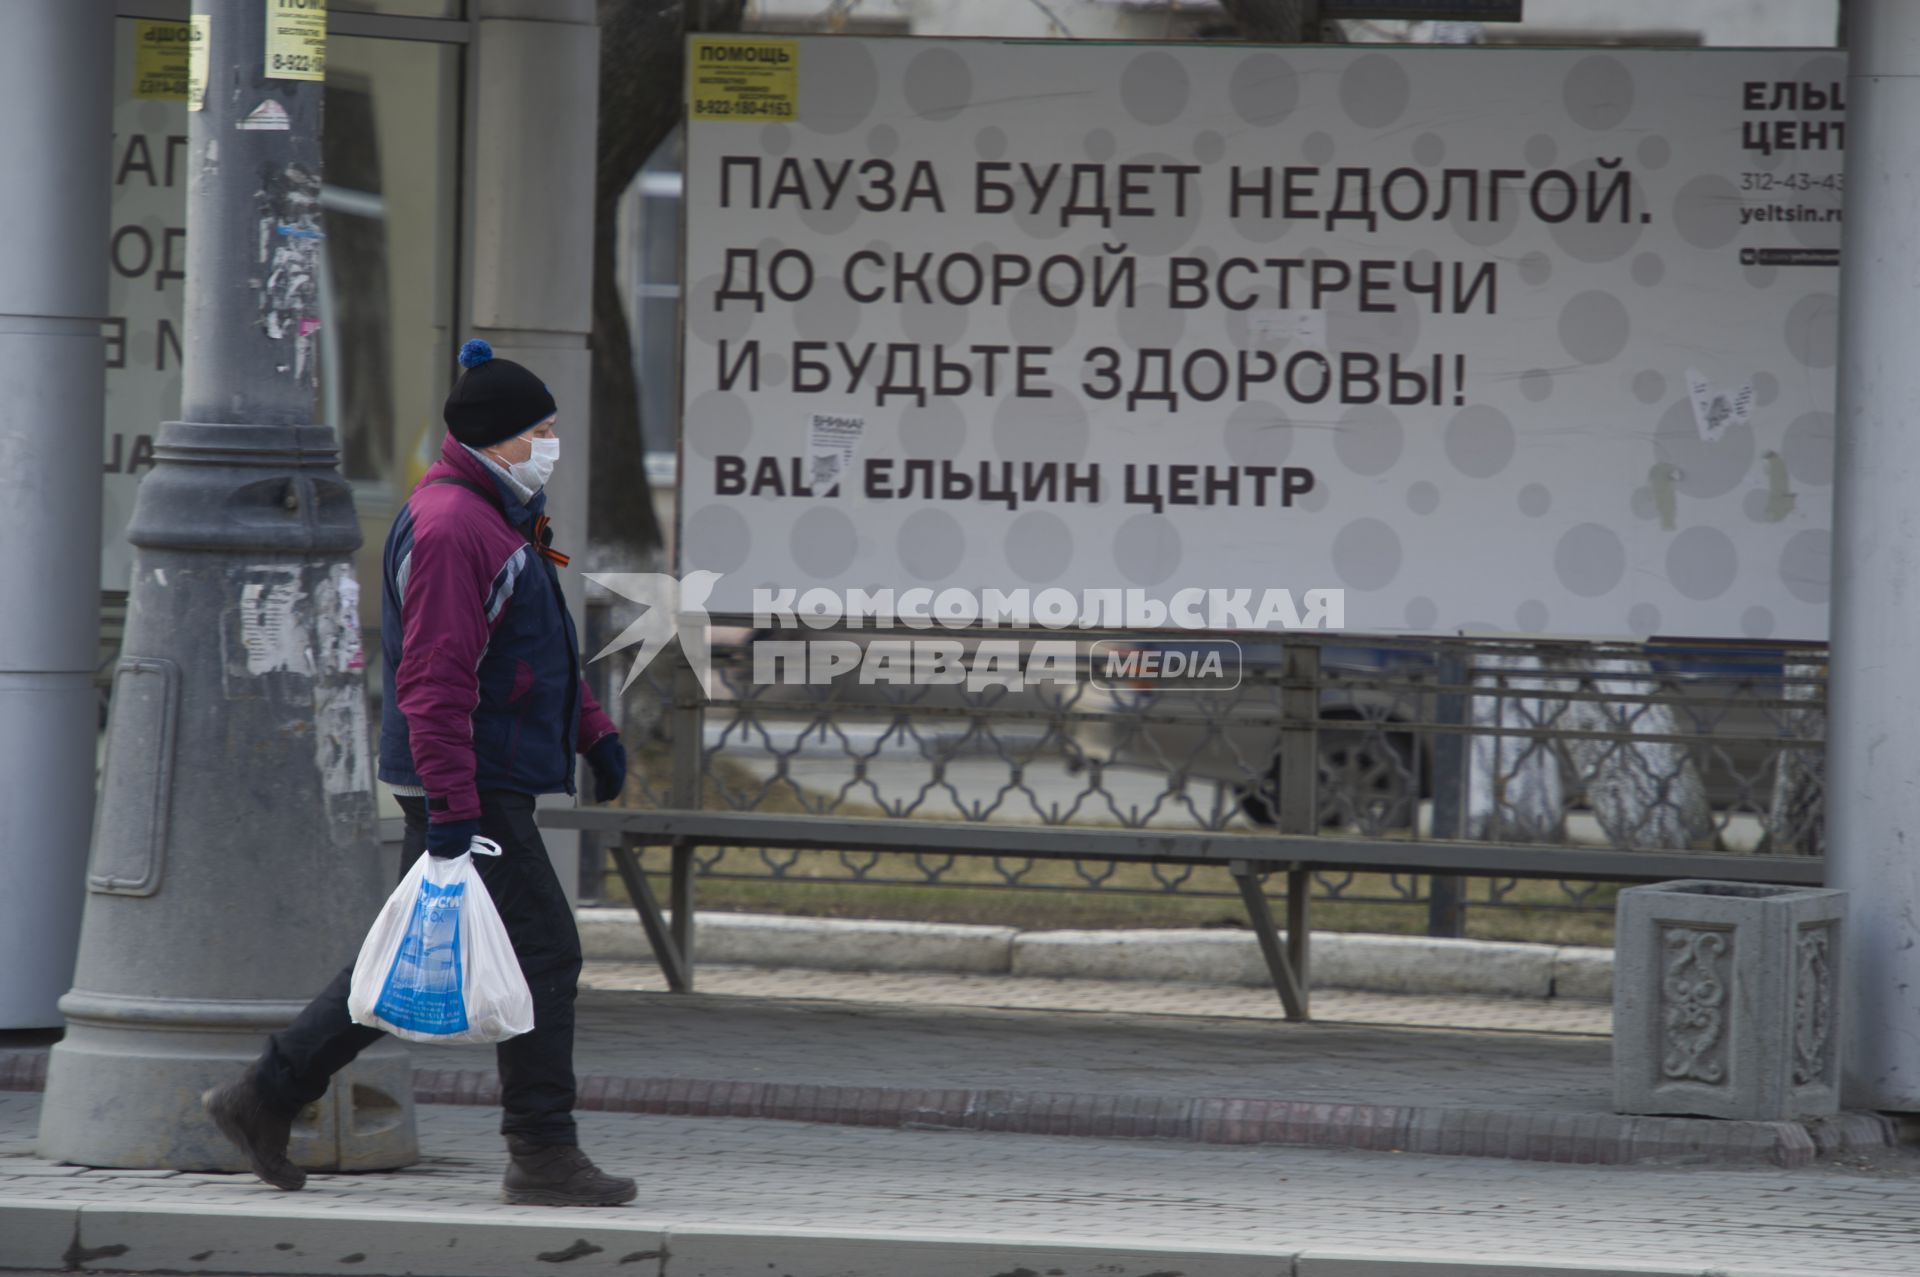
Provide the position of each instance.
(1716, 408)
(339, 630)
(272, 632)
(833, 442)
(339, 707)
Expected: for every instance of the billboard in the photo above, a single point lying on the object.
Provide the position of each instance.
(1526, 341)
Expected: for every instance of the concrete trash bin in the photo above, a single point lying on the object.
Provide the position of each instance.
(1726, 1000)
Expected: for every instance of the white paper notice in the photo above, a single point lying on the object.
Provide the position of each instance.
(1715, 408)
(1307, 327)
(833, 441)
(271, 631)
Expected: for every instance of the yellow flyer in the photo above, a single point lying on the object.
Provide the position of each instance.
(199, 32)
(743, 79)
(296, 39)
(160, 57)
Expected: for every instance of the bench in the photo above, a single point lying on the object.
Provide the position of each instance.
(1250, 857)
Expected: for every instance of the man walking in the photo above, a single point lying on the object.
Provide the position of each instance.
(485, 708)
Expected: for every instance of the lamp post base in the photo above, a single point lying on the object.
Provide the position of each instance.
(124, 1087)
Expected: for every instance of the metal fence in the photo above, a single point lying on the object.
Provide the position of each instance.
(1664, 746)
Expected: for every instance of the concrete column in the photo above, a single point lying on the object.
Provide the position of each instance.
(533, 113)
(1873, 807)
(56, 65)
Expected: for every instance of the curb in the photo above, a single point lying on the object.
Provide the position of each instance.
(821, 944)
(1604, 1139)
(468, 1242)
(1341, 960)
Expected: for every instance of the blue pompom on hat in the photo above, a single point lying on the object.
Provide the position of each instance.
(494, 399)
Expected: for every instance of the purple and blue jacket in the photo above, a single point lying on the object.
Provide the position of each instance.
(482, 668)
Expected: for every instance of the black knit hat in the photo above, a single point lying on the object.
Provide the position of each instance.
(494, 399)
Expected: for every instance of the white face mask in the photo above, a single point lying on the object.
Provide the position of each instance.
(534, 472)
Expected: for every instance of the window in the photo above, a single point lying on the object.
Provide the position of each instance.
(650, 244)
(391, 160)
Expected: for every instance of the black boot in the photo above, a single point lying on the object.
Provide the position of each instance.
(559, 1175)
(256, 1129)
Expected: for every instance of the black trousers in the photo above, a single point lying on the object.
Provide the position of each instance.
(536, 1069)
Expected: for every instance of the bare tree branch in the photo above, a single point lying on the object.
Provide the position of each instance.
(1052, 18)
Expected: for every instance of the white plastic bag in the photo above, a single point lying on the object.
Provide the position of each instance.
(437, 966)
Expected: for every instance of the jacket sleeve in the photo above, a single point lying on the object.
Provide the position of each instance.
(445, 629)
(595, 726)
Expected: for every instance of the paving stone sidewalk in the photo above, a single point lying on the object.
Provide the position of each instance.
(818, 1039)
(732, 1198)
(795, 1050)
(1058, 1071)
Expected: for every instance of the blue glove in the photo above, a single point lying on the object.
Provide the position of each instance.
(447, 839)
(608, 759)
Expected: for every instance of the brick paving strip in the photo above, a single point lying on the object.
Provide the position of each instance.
(1202, 1080)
